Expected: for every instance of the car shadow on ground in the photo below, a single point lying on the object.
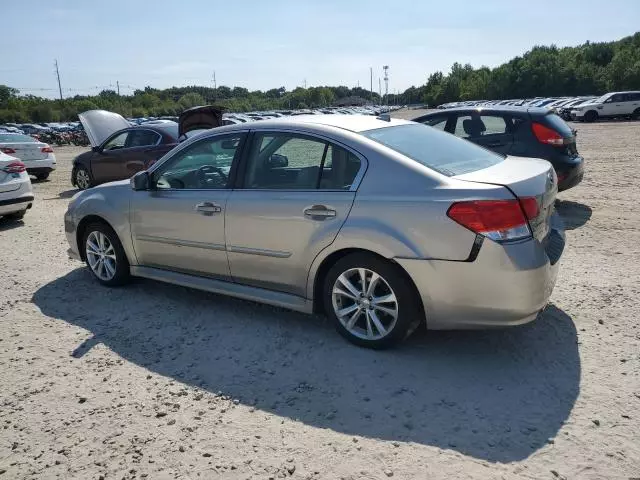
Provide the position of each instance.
(497, 395)
(574, 214)
(9, 224)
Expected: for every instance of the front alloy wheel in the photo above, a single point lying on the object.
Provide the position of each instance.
(105, 256)
(101, 256)
(83, 179)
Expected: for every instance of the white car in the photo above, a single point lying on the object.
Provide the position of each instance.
(16, 194)
(610, 105)
(37, 156)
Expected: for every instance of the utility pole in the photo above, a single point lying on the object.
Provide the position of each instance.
(371, 85)
(118, 86)
(58, 75)
(215, 87)
(305, 83)
(380, 89)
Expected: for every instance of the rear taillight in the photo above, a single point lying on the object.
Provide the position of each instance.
(7, 150)
(14, 167)
(46, 149)
(499, 220)
(547, 135)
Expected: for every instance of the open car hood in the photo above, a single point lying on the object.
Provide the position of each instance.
(100, 124)
(199, 118)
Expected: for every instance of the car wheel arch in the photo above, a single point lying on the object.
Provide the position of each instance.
(82, 227)
(327, 262)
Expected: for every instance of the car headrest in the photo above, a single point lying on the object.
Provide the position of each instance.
(473, 127)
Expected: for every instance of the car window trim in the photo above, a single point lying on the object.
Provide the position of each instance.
(234, 164)
(114, 135)
(242, 169)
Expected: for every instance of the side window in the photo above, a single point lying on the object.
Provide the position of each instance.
(294, 162)
(204, 165)
(142, 138)
(439, 122)
(117, 141)
(494, 125)
(284, 161)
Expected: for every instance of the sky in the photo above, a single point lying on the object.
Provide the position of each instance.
(263, 44)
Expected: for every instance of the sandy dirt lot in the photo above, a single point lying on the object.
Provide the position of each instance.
(157, 381)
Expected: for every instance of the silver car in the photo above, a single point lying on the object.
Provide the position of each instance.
(380, 224)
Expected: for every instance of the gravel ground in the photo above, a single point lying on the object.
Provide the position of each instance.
(157, 381)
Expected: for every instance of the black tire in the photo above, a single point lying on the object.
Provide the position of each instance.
(409, 308)
(83, 182)
(591, 116)
(636, 114)
(42, 176)
(122, 274)
(17, 215)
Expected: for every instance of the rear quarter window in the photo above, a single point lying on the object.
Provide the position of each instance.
(440, 151)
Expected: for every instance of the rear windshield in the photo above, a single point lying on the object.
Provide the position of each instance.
(558, 124)
(440, 151)
(170, 128)
(15, 138)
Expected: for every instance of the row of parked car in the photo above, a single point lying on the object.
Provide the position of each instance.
(585, 108)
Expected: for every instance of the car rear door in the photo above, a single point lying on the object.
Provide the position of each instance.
(490, 130)
(139, 151)
(295, 192)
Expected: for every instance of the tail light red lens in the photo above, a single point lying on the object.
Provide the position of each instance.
(547, 135)
(499, 220)
(15, 167)
(8, 150)
(46, 149)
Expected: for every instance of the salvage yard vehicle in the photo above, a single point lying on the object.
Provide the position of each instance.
(610, 105)
(16, 193)
(119, 150)
(534, 132)
(381, 224)
(37, 156)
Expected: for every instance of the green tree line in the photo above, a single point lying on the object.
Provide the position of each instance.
(591, 68)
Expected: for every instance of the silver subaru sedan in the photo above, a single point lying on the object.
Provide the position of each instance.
(380, 224)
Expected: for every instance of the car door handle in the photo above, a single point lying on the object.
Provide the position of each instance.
(495, 144)
(208, 208)
(319, 211)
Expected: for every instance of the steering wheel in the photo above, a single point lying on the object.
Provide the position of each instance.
(204, 178)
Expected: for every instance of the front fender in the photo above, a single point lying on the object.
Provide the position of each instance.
(109, 202)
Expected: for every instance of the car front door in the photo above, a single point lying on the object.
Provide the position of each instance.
(296, 191)
(492, 131)
(179, 223)
(612, 106)
(107, 162)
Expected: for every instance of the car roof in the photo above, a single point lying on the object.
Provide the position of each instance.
(353, 123)
(493, 109)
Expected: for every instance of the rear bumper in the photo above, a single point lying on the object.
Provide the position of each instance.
(37, 170)
(17, 204)
(506, 285)
(571, 176)
(45, 165)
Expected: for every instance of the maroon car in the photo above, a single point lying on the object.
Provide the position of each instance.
(120, 150)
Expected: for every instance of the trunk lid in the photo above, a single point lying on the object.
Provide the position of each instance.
(8, 181)
(26, 151)
(199, 118)
(524, 177)
(100, 124)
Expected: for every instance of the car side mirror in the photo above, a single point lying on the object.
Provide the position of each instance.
(140, 181)
(278, 161)
(96, 149)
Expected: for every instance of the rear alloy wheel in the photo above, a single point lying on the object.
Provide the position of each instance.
(371, 301)
(591, 116)
(82, 178)
(636, 114)
(105, 256)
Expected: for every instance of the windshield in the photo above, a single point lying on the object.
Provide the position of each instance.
(16, 138)
(440, 151)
